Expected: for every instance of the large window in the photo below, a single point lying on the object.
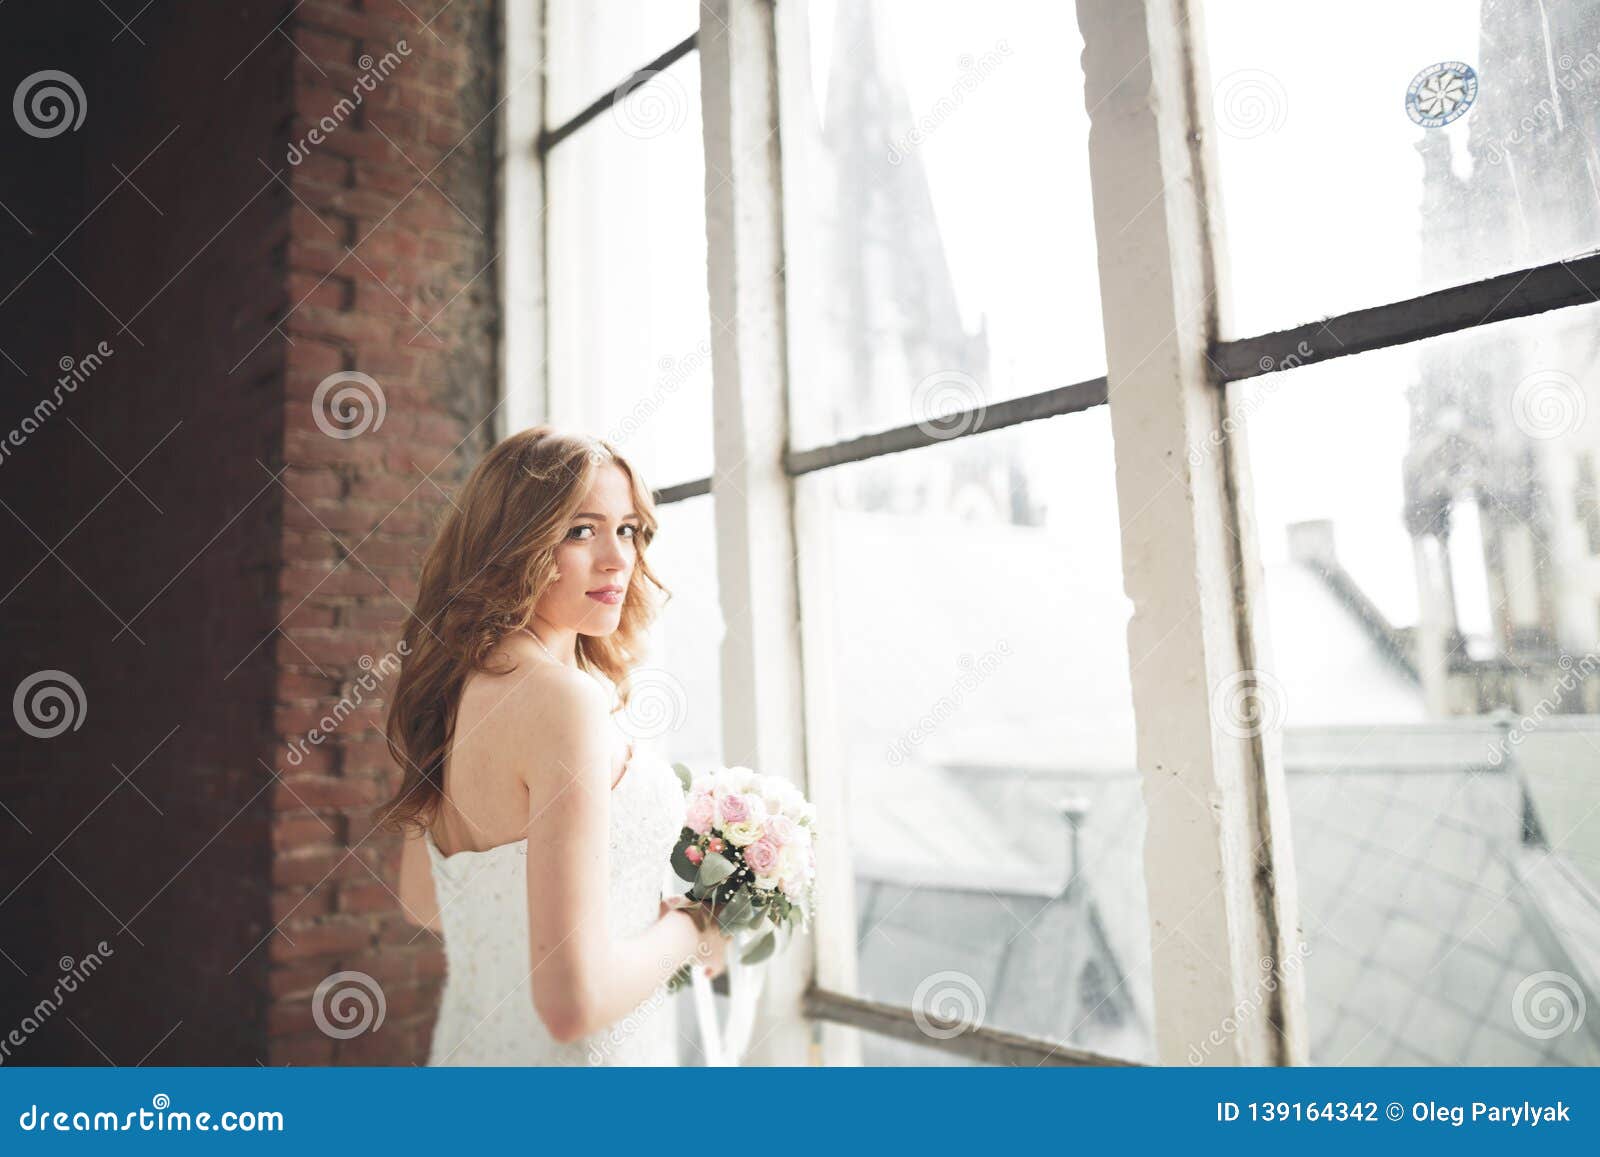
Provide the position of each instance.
(1391, 517)
(937, 257)
(1335, 198)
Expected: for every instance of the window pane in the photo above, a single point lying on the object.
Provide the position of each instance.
(630, 328)
(1334, 198)
(940, 250)
(594, 45)
(981, 712)
(1430, 535)
(678, 687)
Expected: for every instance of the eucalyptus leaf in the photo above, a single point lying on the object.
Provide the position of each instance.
(714, 869)
(760, 950)
(685, 776)
(735, 913)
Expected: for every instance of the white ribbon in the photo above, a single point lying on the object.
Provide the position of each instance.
(725, 1044)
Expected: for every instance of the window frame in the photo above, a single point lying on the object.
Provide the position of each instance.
(1152, 134)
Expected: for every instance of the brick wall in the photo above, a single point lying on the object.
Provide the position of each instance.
(183, 502)
(390, 261)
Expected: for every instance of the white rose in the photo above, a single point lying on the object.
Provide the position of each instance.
(742, 835)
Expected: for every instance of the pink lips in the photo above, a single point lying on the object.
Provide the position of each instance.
(611, 596)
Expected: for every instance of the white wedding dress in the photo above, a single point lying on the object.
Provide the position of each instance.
(486, 1015)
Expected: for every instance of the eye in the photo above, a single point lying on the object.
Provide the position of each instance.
(633, 532)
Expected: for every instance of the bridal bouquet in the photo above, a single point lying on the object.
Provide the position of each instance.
(746, 852)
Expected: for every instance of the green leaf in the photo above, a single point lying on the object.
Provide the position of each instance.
(683, 866)
(736, 913)
(760, 950)
(685, 776)
(714, 869)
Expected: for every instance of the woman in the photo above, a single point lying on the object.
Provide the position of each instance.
(538, 839)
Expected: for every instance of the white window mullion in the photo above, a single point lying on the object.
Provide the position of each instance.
(524, 383)
(1217, 858)
(762, 713)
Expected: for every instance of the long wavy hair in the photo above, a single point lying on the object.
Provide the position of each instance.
(491, 560)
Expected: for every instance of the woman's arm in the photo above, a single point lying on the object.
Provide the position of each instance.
(417, 897)
(582, 979)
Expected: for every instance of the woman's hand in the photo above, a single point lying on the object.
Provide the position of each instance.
(712, 951)
(711, 947)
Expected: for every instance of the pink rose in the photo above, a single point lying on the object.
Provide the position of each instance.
(761, 857)
(735, 809)
(780, 829)
(702, 814)
(693, 854)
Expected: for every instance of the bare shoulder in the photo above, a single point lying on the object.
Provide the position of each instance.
(552, 720)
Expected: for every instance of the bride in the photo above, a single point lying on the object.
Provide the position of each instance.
(538, 839)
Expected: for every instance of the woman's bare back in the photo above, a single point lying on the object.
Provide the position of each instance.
(486, 797)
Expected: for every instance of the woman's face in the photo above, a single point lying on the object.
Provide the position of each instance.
(595, 561)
